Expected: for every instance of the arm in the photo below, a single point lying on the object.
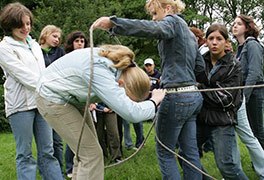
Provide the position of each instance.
(255, 65)
(164, 29)
(10, 62)
(200, 69)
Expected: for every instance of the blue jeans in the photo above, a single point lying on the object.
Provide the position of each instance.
(58, 148)
(69, 155)
(138, 128)
(25, 125)
(226, 153)
(255, 112)
(177, 125)
(247, 137)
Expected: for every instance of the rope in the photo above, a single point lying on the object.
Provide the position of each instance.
(139, 148)
(87, 114)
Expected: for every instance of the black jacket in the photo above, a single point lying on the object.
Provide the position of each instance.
(220, 107)
(52, 55)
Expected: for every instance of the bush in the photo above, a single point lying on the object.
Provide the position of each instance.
(4, 125)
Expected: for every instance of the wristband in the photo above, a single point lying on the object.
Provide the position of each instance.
(156, 108)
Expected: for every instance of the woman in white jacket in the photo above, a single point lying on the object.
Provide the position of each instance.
(22, 61)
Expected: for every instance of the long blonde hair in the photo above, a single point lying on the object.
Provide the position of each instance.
(136, 81)
(177, 5)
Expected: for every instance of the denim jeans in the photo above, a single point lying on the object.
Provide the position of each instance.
(247, 137)
(255, 112)
(226, 153)
(58, 148)
(25, 125)
(177, 125)
(138, 128)
(69, 155)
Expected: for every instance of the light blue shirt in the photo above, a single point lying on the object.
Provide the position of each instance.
(66, 81)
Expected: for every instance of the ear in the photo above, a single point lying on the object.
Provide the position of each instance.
(168, 8)
(121, 82)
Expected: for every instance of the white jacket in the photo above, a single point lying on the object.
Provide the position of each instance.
(22, 65)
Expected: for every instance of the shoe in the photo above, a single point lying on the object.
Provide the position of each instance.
(117, 160)
(134, 148)
(69, 175)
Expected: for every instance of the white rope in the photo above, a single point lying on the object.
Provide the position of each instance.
(87, 114)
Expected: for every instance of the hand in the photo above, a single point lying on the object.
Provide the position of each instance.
(158, 95)
(107, 110)
(92, 107)
(103, 23)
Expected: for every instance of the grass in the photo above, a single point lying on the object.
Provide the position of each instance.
(143, 166)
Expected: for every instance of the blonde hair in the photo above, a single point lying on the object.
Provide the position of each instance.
(46, 31)
(122, 56)
(177, 5)
(136, 81)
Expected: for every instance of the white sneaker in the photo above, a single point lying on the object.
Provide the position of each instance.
(69, 175)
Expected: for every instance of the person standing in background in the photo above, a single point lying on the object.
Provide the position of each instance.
(200, 40)
(218, 115)
(246, 33)
(49, 40)
(74, 40)
(250, 54)
(107, 131)
(153, 73)
(22, 61)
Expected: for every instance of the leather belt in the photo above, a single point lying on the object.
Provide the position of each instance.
(181, 89)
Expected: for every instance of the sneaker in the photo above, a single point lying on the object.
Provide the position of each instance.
(117, 160)
(69, 175)
(134, 148)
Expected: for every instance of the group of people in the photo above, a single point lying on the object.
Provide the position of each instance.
(37, 88)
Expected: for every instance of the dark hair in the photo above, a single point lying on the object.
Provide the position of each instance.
(11, 17)
(217, 27)
(199, 34)
(252, 29)
(68, 45)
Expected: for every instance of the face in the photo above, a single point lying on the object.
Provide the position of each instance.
(216, 44)
(20, 34)
(238, 28)
(157, 13)
(78, 43)
(149, 68)
(53, 39)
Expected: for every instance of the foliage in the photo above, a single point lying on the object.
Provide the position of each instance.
(4, 125)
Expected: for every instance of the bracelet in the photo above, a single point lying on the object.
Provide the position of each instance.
(156, 108)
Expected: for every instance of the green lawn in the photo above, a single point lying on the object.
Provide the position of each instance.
(143, 166)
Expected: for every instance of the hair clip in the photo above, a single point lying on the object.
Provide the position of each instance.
(133, 64)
